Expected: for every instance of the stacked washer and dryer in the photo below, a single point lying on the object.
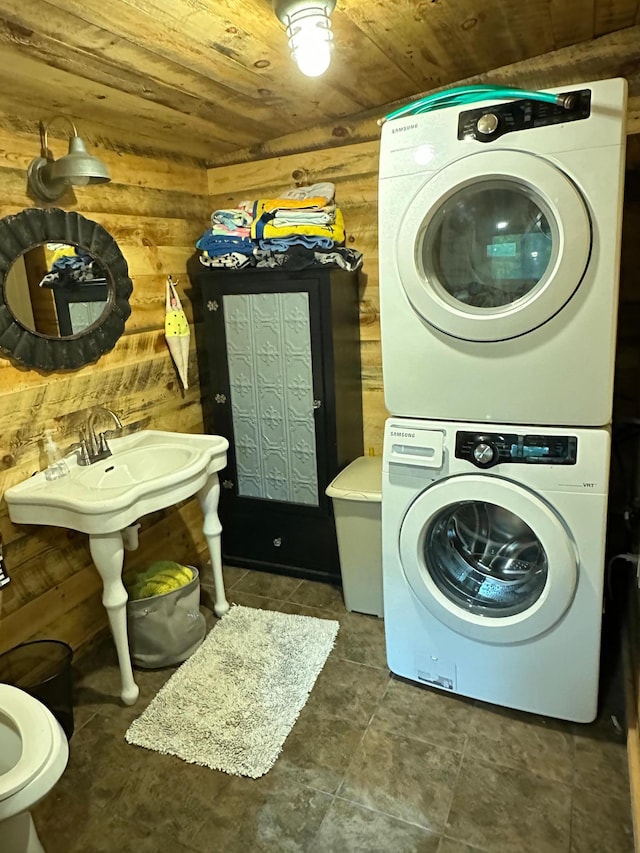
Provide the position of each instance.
(499, 235)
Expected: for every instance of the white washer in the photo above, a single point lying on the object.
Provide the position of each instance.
(493, 561)
(499, 259)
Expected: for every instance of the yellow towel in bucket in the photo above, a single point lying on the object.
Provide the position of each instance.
(161, 577)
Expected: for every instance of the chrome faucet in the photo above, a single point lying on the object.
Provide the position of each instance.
(83, 449)
(96, 446)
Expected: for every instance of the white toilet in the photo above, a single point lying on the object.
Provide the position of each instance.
(33, 755)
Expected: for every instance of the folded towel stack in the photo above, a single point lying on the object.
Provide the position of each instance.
(303, 217)
(230, 232)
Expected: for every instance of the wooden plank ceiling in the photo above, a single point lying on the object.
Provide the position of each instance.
(205, 78)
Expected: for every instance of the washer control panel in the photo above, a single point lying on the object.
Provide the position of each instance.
(486, 449)
(488, 123)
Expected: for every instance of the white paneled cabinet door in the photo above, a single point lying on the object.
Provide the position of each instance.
(271, 382)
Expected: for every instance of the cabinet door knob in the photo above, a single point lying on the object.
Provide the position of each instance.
(317, 404)
(220, 398)
(277, 541)
(227, 484)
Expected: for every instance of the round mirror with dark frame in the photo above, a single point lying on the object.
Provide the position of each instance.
(64, 289)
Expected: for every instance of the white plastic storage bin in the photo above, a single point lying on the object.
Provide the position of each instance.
(356, 494)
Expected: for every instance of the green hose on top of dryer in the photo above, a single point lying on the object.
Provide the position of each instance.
(461, 95)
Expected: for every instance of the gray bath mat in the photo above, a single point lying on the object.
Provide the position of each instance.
(233, 703)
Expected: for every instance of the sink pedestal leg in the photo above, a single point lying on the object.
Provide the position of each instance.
(107, 550)
(208, 497)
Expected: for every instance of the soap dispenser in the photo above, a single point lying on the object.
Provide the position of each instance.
(57, 467)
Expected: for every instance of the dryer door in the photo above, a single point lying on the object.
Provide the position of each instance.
(493, 245)
(488, 558)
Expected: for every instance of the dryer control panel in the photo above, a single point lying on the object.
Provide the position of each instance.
(486, 124)
(486, 449)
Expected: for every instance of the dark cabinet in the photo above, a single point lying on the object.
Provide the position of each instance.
(280, 364)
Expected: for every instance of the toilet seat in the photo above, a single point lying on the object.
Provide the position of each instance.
(34, 723)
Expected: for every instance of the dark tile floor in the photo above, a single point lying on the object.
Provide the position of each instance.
(372, 764)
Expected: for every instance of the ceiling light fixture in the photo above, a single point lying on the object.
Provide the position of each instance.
(309, 32)
(49, 178)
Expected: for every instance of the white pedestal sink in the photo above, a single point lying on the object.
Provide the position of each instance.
(147, 471)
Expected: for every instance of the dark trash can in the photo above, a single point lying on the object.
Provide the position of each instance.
(42, 668)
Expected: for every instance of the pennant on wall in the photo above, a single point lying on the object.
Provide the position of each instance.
(176, 330)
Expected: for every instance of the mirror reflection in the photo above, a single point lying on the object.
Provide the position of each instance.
(58, 290)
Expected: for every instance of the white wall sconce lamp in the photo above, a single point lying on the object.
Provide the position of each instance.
(309, 32)
(49, 178)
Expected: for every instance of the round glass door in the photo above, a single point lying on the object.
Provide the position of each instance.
(485, 559)
(493, 246)
(488, 557)
(490, 244)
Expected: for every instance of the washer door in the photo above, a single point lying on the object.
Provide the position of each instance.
(493, 245)
(488, 558)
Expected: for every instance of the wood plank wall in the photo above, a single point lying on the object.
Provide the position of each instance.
(155, 207)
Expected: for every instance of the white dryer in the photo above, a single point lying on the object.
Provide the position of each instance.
(499, 245)
(493, 561)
